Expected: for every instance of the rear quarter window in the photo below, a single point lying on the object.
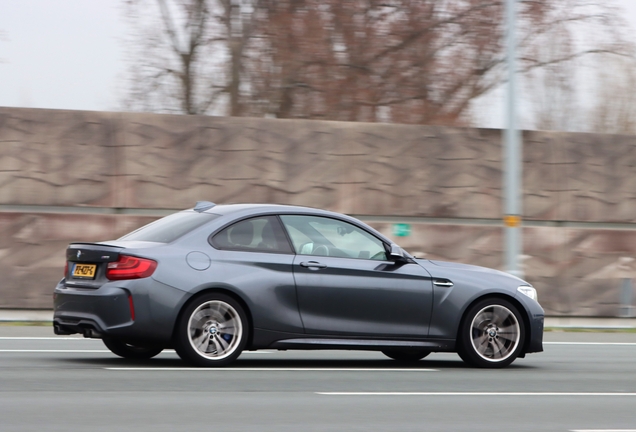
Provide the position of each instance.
(170, 228)
(259, 234)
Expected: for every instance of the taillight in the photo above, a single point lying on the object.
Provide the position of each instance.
(66, 269)
(129, 267)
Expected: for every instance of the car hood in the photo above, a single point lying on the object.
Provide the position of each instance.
(442, 269)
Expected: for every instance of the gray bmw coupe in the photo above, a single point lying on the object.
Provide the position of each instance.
(215, 280)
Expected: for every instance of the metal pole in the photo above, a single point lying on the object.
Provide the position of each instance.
(512, 153)
(627, 310)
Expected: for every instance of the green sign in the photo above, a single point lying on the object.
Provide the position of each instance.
(401, 230)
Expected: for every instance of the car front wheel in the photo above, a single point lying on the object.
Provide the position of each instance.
(491, 334)
(129, 351)
(212, 331)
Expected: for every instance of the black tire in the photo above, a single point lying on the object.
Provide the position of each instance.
(491, 334)
(409, 356)
(129, 351)
(212, 331)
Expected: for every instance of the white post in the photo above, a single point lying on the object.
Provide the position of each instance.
(512, 154)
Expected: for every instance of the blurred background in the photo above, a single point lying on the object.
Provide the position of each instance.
(114, 113)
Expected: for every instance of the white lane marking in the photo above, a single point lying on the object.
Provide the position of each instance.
(46, 338)
(79, 338)
(85, 351)
(60, 338)
(470, 394)
(264, 369)
(591, 343)
(50, 351)
(62, 351)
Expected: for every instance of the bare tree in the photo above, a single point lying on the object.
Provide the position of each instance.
(552, 89)
(614, 110)
(408, 61)
(559, 91)
(239, 22)
(187, 54)
(171, 69)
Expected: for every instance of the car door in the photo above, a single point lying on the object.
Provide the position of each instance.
(347, 286)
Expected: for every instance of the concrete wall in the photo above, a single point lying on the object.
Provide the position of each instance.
(73, 175)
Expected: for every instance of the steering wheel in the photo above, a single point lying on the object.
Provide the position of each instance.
(322, 250)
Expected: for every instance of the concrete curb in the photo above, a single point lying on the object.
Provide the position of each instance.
(28, 315)
(44, 316)
(590, 323)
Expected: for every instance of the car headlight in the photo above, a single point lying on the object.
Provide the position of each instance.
(529, 291)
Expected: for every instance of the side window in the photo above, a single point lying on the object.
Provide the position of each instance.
(324, 236)
(260, 234)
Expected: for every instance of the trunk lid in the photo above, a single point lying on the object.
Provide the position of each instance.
(87, 264)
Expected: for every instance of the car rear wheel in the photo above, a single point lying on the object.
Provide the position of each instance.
(406, 355)
(212, 331)
(491, 334)
(125, 350)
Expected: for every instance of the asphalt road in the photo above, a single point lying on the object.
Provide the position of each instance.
(582, 382)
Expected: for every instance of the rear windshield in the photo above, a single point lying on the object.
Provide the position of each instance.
(170, 228)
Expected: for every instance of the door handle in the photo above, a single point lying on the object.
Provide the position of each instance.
(313, 264)
(442, 283)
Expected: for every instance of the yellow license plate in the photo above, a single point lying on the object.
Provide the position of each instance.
(84, 271)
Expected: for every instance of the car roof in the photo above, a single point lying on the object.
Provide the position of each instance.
(236, 209)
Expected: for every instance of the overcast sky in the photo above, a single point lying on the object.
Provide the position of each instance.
(69, 54)
(65, 54)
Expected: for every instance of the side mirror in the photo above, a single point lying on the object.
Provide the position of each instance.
(397, 254)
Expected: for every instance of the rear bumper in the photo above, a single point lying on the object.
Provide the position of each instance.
(104, 311)
(123, 311)
(89, 327)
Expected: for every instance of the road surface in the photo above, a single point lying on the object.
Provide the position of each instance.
(582, 382)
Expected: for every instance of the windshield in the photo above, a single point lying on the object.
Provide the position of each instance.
(170, 228)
